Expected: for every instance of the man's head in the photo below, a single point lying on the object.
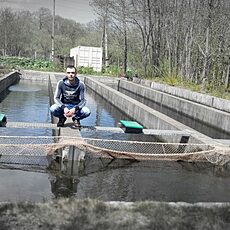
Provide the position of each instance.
(71, 72)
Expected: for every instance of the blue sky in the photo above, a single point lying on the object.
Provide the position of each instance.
(78, 10)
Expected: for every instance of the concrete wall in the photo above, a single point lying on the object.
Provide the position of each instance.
(211, 101)
(146, 116)
(9, 80)
(208, 115)
(42, 77)
(35, 75)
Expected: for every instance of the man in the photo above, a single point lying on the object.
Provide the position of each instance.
(70, 99)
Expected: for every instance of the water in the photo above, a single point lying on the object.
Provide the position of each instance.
(17, 185)
(104, 179)
(26, 101)
(122, 180)
(195, 124)
(149, 180)
(102, 112)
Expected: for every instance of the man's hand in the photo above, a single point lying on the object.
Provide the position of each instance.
(69, 112)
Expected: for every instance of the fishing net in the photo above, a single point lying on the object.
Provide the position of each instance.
(41, 150)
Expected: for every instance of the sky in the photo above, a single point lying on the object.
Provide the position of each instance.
(78, 10)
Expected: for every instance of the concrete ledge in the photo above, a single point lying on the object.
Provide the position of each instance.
(211, 101)
(30, 125)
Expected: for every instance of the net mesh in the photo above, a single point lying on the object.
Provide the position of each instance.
(38, 150)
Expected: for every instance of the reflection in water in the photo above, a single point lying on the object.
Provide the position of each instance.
(155, 180)
(120, 180)
(63, 185)
(64, 177)
(129, 180)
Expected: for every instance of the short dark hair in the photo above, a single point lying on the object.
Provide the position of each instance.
(72, 67)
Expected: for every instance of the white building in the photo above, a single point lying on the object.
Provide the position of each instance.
(87, 56)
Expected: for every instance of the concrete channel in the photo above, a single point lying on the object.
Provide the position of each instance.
(148, 117)
(141, 215)
(163, 127)
(155, 123)
(206, 109)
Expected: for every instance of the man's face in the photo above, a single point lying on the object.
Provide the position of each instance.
(71, 73)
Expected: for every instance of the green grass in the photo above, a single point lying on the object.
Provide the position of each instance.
(46, 65)
(26, 63)
(216, 91)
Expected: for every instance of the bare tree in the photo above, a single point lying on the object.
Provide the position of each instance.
(6, 25)
(102, 8)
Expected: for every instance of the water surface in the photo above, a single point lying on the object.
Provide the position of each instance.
(104, 179)
(122, 180)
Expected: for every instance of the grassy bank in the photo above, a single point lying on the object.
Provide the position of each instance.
(92, 214)
(17, 63)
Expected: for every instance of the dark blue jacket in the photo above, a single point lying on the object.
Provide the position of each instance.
(70, 94)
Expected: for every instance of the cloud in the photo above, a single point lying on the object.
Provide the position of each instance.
(79, 11)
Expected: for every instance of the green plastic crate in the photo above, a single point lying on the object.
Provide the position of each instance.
(2, 120)
(131, 126)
